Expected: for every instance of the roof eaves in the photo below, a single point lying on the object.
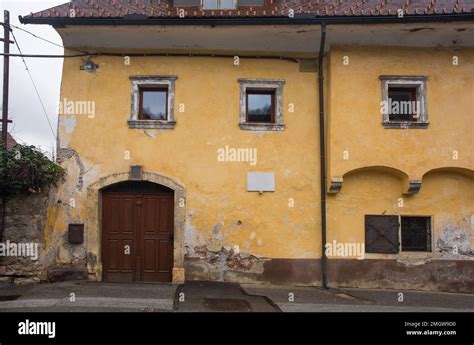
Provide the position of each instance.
(306, 19)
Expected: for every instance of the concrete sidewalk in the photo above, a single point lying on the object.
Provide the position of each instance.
(314, 299)
(87, 296)
(220, 297)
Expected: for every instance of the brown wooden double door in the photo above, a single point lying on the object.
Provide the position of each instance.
(137, 237)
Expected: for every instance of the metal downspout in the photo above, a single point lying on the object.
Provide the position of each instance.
(322, 150)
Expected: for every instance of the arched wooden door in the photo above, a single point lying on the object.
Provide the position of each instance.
(137, 232)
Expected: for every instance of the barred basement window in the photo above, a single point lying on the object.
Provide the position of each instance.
(404, 102)
(416, 234)
(383, 234)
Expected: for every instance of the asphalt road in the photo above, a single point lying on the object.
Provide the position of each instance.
(86, 296)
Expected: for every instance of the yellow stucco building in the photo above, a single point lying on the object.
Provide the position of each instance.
(265, 142)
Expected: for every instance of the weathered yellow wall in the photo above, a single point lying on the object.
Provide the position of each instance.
(215, 191)
(446, 196)
(216, 197)
(381, 161)
(355, 124)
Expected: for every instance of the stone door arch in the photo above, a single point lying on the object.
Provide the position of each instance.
(94, 225)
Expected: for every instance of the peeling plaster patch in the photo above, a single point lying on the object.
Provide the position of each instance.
(286, 172)
(260, 242)
(91, 174)
(68, 123)
(66, 127)
(252, 235)
(217, 230)
(80, 179)
(214, 244)
(75, 253)
(151, 133)
(217, 264)
(192, 241)
(52, 252)
(454, 240)
(190, 238)
(65, 154)
(91, 259)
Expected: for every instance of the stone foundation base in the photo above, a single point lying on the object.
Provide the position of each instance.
(178, 275)
(434, 275)
(59, 274)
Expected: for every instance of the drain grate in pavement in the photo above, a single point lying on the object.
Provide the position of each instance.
(227, 304)
(9, 298)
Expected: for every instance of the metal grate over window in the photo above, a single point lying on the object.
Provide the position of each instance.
(416, 234)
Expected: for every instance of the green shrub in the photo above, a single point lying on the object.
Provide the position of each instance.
(25, 170)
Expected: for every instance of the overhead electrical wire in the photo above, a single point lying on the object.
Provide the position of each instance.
(91, 54)
(122, 54)
(82, 53)
(34, 85)
(43, 39)
(45, 56)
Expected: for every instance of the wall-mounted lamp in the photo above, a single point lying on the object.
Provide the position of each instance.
(89, 66)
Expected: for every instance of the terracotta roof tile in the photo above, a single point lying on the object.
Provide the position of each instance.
(271, 8)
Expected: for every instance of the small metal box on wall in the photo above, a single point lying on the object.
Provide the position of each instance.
(136, 172)
(76, 233)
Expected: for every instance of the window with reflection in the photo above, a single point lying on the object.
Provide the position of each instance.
(153, 104)
(260, 106)
(218, 4)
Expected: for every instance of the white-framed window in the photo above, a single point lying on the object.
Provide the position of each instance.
(152, 102)
(261, 105)
(404, 103)
(219, 4)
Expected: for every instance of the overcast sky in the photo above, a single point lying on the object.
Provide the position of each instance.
(29, 123)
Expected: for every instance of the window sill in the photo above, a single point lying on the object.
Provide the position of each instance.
(405, 124)
(150, 124)
(415, 252)
(261, 127)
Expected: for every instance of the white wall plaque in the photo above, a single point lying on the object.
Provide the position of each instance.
(260, 182)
